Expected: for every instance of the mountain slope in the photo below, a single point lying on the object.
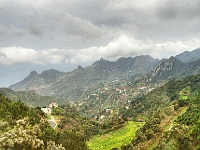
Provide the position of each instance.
(189, 56)
(29, 98)
(174, 114)
(35, 80)
(172, 68)
(25, 128)
(169, 68)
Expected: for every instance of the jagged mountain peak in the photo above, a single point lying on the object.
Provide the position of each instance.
(103, 60)
(144, 57)
(123, 59)
(80, 67)
(50, 72)
(33, 73)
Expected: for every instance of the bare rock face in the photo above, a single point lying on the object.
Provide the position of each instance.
(172, 68)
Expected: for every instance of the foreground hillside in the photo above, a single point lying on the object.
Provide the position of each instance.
(25, 128)
(174, 112)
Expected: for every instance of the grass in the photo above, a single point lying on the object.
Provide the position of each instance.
(142, 117)
(115, 139)
(184, 93)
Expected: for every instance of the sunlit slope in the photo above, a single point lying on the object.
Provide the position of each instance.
(115, 139)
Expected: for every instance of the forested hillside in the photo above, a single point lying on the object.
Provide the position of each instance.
(174, 112)
(29, 98)
(22, 127)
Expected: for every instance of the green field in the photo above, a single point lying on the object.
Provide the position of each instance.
(115, 139)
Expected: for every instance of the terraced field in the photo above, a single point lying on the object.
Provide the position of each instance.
(115, 139)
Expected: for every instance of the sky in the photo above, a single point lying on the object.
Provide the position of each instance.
(61, 34)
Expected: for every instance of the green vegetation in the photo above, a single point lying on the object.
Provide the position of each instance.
(184, 93)
(29, 98)
(184, 134)
(22, 127)
(115, 139)
(174, 111)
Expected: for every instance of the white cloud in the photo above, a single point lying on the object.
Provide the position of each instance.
(19, 55)
(122, 46)
(14, 55)
(125, 46)
(168, 48)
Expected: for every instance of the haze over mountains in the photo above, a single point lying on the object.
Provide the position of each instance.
(79, 82)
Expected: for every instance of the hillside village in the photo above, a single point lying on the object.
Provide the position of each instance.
(104, 102)
(49, 108)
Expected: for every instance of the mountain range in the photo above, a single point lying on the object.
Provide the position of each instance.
(80, 82)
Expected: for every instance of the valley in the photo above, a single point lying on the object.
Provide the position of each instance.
(132, 103)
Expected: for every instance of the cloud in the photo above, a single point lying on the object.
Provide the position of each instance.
(14, 55)
(36, 29)
(11, 31)
(76, 26)
(19, 55)
(79, 31)
(122, 46)
(91, 23)
(125, 46)
(179, 10)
